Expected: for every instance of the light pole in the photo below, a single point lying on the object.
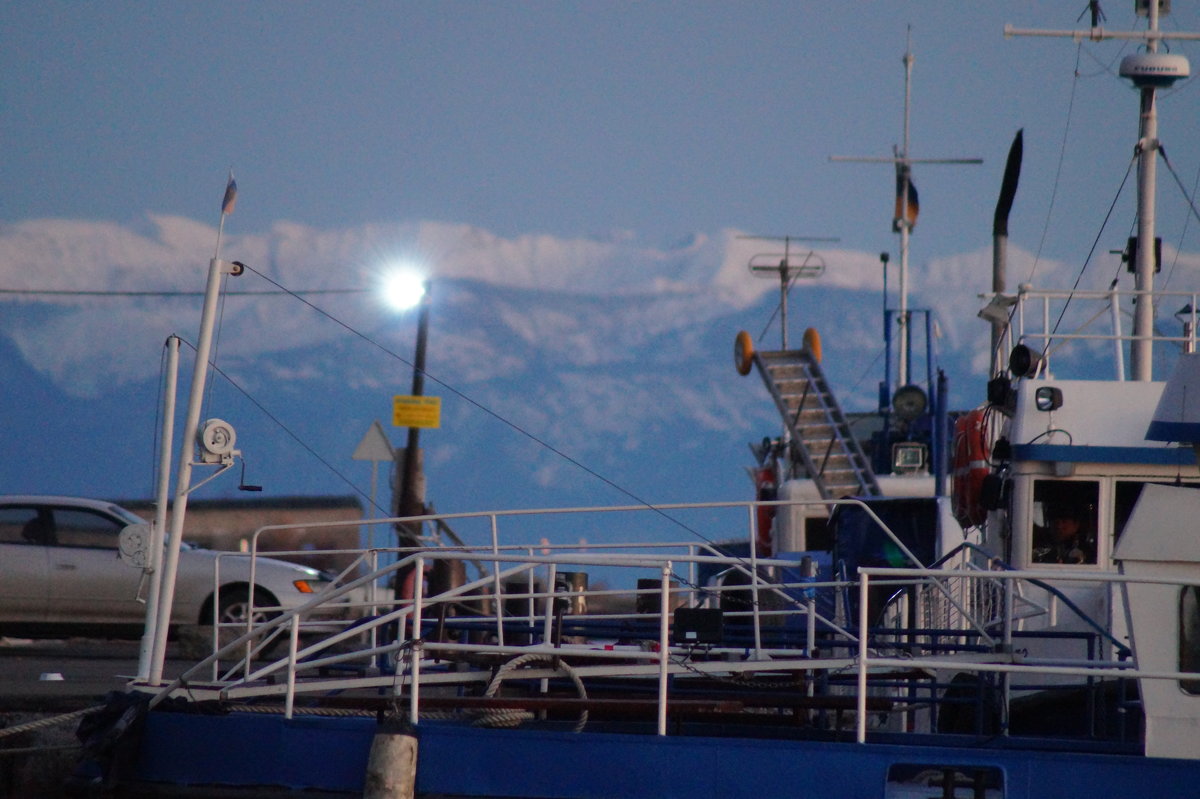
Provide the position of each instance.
(411, 489)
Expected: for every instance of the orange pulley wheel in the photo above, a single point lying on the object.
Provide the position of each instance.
(743, 352)
(812, 343)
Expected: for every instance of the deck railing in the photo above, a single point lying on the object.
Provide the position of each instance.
(1047, 320)
(628, 627)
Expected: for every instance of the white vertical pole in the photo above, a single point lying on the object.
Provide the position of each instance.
(754, 614)
(498, 586)
(1114, 309)
(903, 165)
(664, 646)
(861, 733)
(216, 268)
(1142, 348)
(157, 532)
(289, 704)
(415, 640)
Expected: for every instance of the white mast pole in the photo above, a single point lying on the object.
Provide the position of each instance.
(1141, 349)
(157, 532)
(902, 164)
(216, 268)
(1148, 72)
(901, 224)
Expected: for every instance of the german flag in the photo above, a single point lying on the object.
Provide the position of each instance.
(903, 179)
(230, 198)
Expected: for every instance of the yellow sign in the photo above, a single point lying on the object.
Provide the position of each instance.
(409, 411)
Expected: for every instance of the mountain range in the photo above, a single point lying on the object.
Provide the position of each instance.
(577, 372)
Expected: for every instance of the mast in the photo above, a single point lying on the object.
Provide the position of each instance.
(906, 207)
(1149, 71)
(217, 269)
(1141, 349)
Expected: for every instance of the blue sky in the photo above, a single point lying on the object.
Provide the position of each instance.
(564, 118)
(601, 147)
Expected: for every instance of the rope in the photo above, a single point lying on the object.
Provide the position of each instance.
(33, 750)
(278, 710)
(512, 718)
(301, 711)
(46, 722)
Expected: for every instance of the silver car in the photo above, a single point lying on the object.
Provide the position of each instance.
(61, 572)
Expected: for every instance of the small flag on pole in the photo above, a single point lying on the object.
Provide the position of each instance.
(230, 196)
(912, 206)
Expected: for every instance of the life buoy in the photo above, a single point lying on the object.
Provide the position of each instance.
(743, 352)
(812, 343)
(765, 490)
(970, 467)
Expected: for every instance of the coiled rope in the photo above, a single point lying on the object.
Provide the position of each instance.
(513, 717)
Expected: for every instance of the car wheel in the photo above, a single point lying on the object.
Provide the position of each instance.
(235, 609)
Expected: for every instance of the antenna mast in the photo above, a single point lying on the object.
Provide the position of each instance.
(905, 214)
(787, 270)
(1149, 72)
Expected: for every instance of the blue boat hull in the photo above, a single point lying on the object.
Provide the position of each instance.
(318, 754)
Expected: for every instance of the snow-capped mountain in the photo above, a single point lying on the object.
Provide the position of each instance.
(571, 372)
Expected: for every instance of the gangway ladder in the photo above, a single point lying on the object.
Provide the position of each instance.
(820, 435)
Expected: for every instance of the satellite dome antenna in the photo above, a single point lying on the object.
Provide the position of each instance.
(1149, 71)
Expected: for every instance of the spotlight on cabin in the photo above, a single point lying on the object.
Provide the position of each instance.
(909, 402)
(909, 457)
(1048, 398)
(1023, 361)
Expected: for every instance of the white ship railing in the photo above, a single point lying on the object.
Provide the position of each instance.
(1006, 661)
(395, 647)
(1047, 320)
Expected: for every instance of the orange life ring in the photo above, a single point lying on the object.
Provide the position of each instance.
(812, 343)
(743, 353)
(970, 467)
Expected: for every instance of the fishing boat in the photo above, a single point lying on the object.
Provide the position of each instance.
(1031, 631)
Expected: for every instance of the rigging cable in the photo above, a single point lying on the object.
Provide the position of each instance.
(279, 423)
(480, 406)
(1095, 243)
(1062, 155)
(1190, 198)
(85, 293)
(1182, 233)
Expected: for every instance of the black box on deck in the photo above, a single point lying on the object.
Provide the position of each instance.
(697, 626)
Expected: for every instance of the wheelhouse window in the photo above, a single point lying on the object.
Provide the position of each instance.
(1189, 636)
(1064, 521)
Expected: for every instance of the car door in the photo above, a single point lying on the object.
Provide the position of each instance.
(89, 583)
(24, 575)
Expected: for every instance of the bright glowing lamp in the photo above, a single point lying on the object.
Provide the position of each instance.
(404, 289)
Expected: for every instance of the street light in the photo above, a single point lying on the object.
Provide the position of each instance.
(404, 288)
